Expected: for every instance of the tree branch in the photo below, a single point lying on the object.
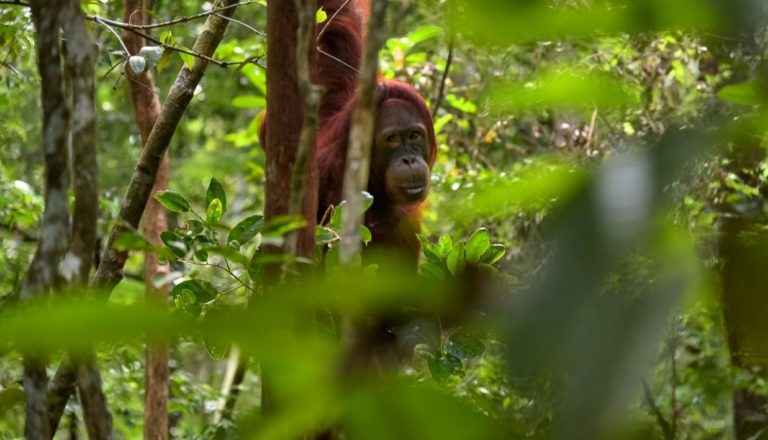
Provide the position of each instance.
(443, 80)
(361, 135)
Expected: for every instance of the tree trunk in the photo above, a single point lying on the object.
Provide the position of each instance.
(146, 109)
(284, 126)
(743, 253)
(283, 129)
(43, 271)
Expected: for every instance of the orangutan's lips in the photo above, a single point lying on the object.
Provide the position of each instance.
(414, 190)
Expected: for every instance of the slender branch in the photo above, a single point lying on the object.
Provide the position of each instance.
(128, 26)
(338, 60)
(666, 429)
(444, 79)
(104, 23)
(243, 24)
(14, 3)
(361, 135)
(330, 20)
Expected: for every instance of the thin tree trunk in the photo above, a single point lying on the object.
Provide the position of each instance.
(146, 109)
(109, 272)
(743, 251)
(357, 167)
(81, 56)
(284, 125)
(283, 128)
(358, 160)
(43, 271)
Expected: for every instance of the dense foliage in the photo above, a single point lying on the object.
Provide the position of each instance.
(589, 153)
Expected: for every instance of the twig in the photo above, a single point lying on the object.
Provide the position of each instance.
(441, 90)
(330, 20)
(320, 50)
(102, 22)
(14, 3)
(165, 46)
(127, 26)
(591, 130)
(243, 24)
(666, 429)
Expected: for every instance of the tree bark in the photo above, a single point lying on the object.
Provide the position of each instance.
(81, 56)
(43, 271)
(146, 109)
(284, 126)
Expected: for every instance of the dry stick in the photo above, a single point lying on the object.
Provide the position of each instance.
(109, 272)
(81, 56)
(361, 136)
(42, 274)
(443, 80)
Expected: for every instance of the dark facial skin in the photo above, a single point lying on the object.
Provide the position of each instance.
(400, 152)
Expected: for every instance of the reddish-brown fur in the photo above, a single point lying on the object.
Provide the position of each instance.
(392, 226)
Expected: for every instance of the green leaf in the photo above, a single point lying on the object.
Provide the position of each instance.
(367, 200)
(433, 272)
(201, 254)
(11, 397)
(446, 245)
(494, 253)
(464, 346)
(282, 225)
(337, 215)
(365, 234)
(249, 102)
(456, 259)
(443, 366)
(214, 212)
(430, 251)
(321, 16)
(174, 243)
(744, 93)
(246, 229)
(185, 300)
(255, 268)
(196, 226)
(131, 242)
(187, 59)
(325, 235)
(202, 290)
(229, 254)
(477, 244)
(172, 201)
(461, 104)
(216, 191)
(217, 348)
(423, 33)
